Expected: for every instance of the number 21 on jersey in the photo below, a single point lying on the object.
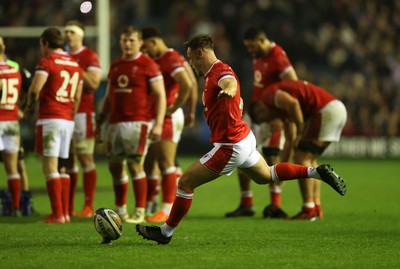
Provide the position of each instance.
(63, 95)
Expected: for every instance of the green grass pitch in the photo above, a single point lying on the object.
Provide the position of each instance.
(360, 230)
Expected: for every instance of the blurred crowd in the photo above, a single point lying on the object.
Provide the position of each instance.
(349, 47)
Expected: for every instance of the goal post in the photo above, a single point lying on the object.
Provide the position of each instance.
(101, 31)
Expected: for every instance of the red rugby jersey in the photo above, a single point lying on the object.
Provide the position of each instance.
(10, 92)
(224, 115)
(56, 99)
(130, 94)
(87, 60)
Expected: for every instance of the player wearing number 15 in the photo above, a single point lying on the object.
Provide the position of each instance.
(57, 86)
(10, 85)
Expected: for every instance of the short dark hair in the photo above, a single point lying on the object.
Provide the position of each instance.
(53, 37)
(199, 41)
(254, 33)
(76, 23)
(130, 30)
(150, 32)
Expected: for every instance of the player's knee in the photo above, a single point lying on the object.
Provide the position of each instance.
(270, 152)
(62, 164)
(309, 146)
(21, 153)
(261, 180)
(185, 185)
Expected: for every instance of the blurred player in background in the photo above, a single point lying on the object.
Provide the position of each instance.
(319, 119)
(10, 88)
(57, 86)
(133, 80)
(83, 141)
(26, 204)
(179, 81)
(234, 142)
(270, 65)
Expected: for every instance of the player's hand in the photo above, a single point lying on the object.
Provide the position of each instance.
(276, 125)
(98, 138)
(225, 94)
(296, 141)
(28, 113)
(170, 110)
(21, 114)
(155, 133)
(189, 120)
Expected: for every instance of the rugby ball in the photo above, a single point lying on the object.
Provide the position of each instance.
(108, 224)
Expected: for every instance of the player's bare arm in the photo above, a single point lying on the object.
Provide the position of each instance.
(77, 97)
(104, 107)
(185, 86)
(37, 84)
(92, 79)
(290, 141)
(290, 75)
(103, 112)
(191, 102)
(158, 90)
(228, 86)
(291, 105)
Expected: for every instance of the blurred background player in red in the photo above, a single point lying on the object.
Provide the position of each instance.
(270, 65)
(57, 87)
(319, 119)
(133, 80)
(10, 88)
(26, 204)
(83, 142)
(234, 142)
(179, 82)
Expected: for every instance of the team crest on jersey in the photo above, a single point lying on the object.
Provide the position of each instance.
(122, 81)
(257, 76)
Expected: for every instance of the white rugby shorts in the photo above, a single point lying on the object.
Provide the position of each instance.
(53, 137)
(327, 125)
(128, 138)
(9, 136)
(224, 158)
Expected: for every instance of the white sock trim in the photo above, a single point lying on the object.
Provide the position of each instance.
(139, 175)
(183, 194)
(89, 168)
(121, 181)
(309, 205)
(73, 170)
(64, 175)
(156, 177)
(247, 193)
(13, 177)
(274, 175)
(53, 175)
(169, 170)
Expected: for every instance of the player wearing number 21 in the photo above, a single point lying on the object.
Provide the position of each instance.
(57, 86)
